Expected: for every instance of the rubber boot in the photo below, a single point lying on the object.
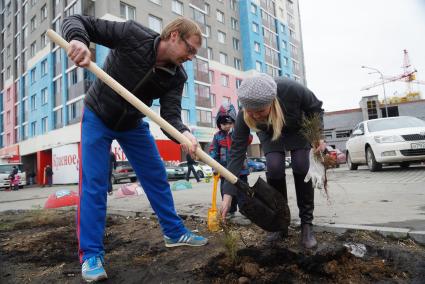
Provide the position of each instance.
(305, 202)
(280, 186)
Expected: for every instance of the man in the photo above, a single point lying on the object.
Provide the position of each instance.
(150, 66)
(191, 168)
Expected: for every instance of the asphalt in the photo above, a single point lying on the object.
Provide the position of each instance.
(390, 202)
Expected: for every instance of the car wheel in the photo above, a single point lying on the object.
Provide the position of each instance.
(200, 174)
(371, 161)
(404, 165)
(350, 164)
(133, 179)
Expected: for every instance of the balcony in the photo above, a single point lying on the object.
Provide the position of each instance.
(204, 124)
(78, 89)
(203, 101)
(198, 3)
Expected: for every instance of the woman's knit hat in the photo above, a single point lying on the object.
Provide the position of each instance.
(257, 91)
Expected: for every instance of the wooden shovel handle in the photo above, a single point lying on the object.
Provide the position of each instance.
(138, 104)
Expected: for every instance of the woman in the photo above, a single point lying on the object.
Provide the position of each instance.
(274, 108)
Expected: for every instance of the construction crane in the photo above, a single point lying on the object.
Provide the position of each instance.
(408, 76)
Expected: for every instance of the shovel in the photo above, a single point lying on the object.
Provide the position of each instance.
(262, 204)
(213, 224)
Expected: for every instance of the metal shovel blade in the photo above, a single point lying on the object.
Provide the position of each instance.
(264, 205)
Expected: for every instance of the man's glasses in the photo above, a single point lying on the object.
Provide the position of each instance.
(190, 49)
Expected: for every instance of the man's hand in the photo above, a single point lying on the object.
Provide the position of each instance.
(79, 53)
(191, 149)
(225, 206)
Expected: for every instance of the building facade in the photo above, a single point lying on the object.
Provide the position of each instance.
(339, 124)
(42, 92)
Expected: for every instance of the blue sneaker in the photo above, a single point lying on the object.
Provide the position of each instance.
(92, 269)
(187, 239)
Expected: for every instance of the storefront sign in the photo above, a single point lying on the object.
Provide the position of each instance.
(65, 164)
(10, 154)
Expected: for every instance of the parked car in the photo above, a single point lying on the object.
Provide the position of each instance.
(123, 170)
(254, 166)
(337, 154)
(173, 171)
(259, 159)
(394, 140)
(202, 169)
(6, 169)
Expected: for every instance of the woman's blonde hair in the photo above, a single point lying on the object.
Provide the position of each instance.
(185, 27)
(276, 120)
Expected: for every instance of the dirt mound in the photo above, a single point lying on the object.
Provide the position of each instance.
(41, 247)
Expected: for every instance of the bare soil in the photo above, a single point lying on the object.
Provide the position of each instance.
(40, 247)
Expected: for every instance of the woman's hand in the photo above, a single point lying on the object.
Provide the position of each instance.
(225, 206)
(321, 147)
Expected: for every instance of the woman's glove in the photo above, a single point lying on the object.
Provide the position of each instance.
(316, 172)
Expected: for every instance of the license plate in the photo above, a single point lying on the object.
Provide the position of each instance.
(418, 146)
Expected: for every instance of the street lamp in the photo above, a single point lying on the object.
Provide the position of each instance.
(383, 85)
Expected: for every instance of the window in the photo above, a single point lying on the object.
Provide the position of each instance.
(211, 76)
(33, 2)
(75, 111)
(73, 77)
(127, 12)
(210, 53)
(208, 30)
(224, 79)
(253, 9)
(238, 83)
(256, 46)
(213, 100)
(155, 23)
(225, 100)
(285, 61)
(203, 118)
(33, 24)
(207, 8)
(233, 5)
(185, 116)
(33, 48)
(220, 16)
(24, 131)
(57, 118)
(255, 28)
(158, 2)
(44, 67)
(33, 128)
(44, 96)
(32, 75)
(221, 37)
(43, 12)
(33, 102)
(284, 44)
(8, 72)
(223, 58)
(238, 63)
(8, 49)
(258, 66)
(44, 125)
(234, 23)
(235, 44)
(8, 117)
(292, 33)
(177, 7)
(43, 40)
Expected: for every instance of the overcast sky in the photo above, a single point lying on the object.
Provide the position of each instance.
(341, 35)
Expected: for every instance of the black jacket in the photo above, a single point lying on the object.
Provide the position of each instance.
(131, 61)
(296, 101)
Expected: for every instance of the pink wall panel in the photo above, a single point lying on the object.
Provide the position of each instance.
(9, 99)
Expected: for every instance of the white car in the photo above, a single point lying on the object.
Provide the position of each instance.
(393, 140)
(201, 169)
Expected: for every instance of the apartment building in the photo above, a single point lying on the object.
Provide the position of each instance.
(42, 92)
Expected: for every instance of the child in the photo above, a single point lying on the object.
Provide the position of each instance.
(220, 146)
